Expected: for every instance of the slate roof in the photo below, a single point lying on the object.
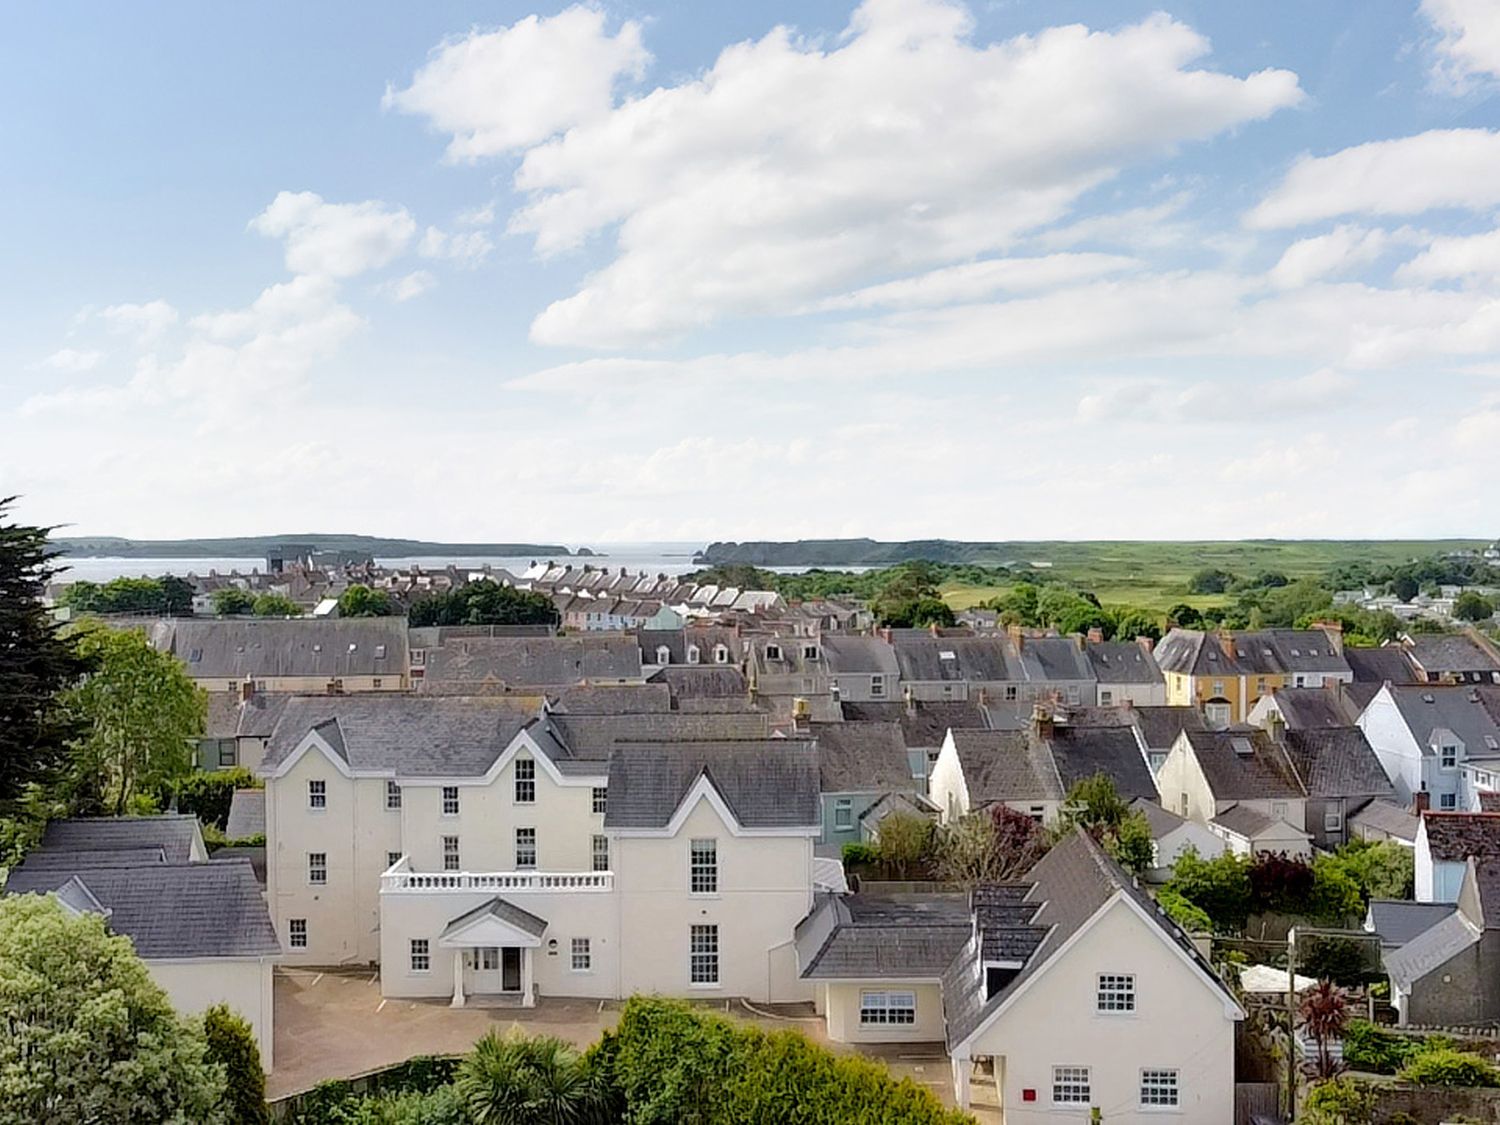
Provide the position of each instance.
(923, 724)
(703, 681)
(171, 910)
(1160, 726)
(1244, 821)
(1337, 762)
(1429, 950)
(247, 814)
(704, 637)
(173, 833)
(1243, 764)
(497, 907)
(906, 803)
(611, 699)
(769, 783)
(261, 648)
(1304, 708)
(925, 658)
(1055, 660)
(865, 937)
(408, 735)
(1162, 821)
(1377, 665)
(1006, 766)
(1455, 836)
(1068, 886)
(1081, 752)
(1398, 921)
(1388, 818)
(1122, 662)
(88, 857)
(863, 655)
(593, 736)
(461, 664)
(1249, 652)
(861, 757)
(1460, 708)
(1441, 654)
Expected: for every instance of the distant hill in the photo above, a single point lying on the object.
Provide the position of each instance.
(255, 546)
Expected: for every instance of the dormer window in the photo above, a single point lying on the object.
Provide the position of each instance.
(721, 654)
(663, 654)
(692, 654)
(1449, 757)
(773, 652)
(809, 652)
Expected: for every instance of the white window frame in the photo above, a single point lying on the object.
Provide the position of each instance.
(703, 867)
(391, 859)
(522, 847)
(1160, 1088)
(1447, 758)
(1114, 994)
(599, 852)
(843, 812)
(1333, 820)
(1447, 802)
(314, 870)
(601, 800)
(581, 955)
(524, 791)
(721, 654)
(888, 1008)
(450, 800)
(703, 956)
(451, 854)
(877, 687)
(692, 654)
(392, 796)
(419, 956)
(1074, 1083)
(317, 795)
(296, 933)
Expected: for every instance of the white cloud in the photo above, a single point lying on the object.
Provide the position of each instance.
(335, 239)
(1456, 256)
(1443, 168)
(788, 172)
(976, 280)
(477, 216)
(73, 360)
(146, 322)
(1470, 43)
(405, 288)
(501, 90)
(1344, 249)
(1186, 402)
(467, 248)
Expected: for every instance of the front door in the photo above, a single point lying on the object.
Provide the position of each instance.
(510, 969)
(484, 969)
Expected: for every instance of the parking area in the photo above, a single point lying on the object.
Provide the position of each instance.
(337, 1025)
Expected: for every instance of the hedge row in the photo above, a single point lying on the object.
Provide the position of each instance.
(672, 1065)
(339, 1101)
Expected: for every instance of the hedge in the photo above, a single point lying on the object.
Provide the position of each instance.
(1444, 1066)
(337, 1102)
(672, 1065)
(1374, 1049)
(208, 794)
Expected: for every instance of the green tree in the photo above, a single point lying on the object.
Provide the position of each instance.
(89, 1036)
(1131, 623)
(1470, 606)
(993, 845)
(361, 601)
(484, 602)
(1323, 1015)
(1405, 587)
(1338, 1101)
(231, 601)
(905, 843)
(37, 663)
(139, 716)
(1444, 1066)
(1184, 616)
(1336, 894)
(275, 605)
(1018, 605)
(1209, 581)
(517, 1080)
(1381, 869)
(1220, 887)
(231, 1044)
(1095, 805)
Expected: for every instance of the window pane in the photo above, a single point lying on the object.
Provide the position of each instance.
(1159, 1087)
(450, 800)
(525, 781)
(601, 799)
(1070, 1085)
(392, 795)
(703, 955)
(703, 875)
(297, 933)
(601, 853)
(1116, 992)
(421, 959)
(582, 955)
(525, 847)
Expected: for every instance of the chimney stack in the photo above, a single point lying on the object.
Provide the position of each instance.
(1041, 722)
(247, 689)
(885, 633)
(1421, 801)
(1146, 643)
(983, 697)
(1096, 635)
(1334, 631)
(801, 719)
(934, 630)
(911, 700)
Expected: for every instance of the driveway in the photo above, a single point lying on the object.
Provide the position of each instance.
(337, 1025)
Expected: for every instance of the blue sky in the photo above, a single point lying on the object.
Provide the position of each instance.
(688, 270)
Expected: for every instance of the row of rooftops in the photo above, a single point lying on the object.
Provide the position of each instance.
(1422, 657)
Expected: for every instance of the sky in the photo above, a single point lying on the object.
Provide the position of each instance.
(1031, 269)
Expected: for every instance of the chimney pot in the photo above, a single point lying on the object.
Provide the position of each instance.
(1096, 635)
(1421, 801)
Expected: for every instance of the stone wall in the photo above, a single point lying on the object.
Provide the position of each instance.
(1429, 1105)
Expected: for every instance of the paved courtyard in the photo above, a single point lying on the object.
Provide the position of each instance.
(337, 1025)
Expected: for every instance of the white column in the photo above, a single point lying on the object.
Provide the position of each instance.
(961, 1069)
(458, 978)
(528, 996)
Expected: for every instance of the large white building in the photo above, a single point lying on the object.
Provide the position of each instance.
(465, 845)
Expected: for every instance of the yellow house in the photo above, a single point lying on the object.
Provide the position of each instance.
(1226, 672)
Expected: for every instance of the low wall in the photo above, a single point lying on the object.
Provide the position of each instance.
(1431, 1105)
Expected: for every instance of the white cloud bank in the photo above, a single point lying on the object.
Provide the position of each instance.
(1469, 46)
(335, 239)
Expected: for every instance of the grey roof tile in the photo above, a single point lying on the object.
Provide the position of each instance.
(466, 664)
(247, 814)
(923, 724)
(1006, 766)
(1082, 752)
(1244, 764)
(860, 655)
(507, 912)
(769, 783)
(1337, 762)
(1122, 662)
(867, 937)
(1429, 950)
(1455, 836)
(262, 648)
(174, 833)
(1387, 818)
(1398, 921)
(861, 757)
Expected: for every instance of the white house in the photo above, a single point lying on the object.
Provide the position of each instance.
(1172, 835)
(464, 845)
(1445, 842)
(1424, 734)
(1242, 785)
(1080, 993)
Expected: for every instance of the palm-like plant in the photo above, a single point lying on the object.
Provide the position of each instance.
(1324, 1014)
(516, 1080)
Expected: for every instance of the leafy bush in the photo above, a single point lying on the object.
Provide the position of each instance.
(442, 1106)
(519, 1080)
(1444, 1066)
(1220, 887)
(231, 1044)
(208, 795)
(671, 1064)
(1372, 1048)
(1279, 883)
(1184, 913)
(416, 1092)
(1338, 1101)
(1342, 960)
(859, 854)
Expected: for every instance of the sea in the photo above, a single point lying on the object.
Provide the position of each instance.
(652, 558)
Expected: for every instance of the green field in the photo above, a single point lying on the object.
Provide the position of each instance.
(1154, 575)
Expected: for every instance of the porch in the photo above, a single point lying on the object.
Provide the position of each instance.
(493, 946)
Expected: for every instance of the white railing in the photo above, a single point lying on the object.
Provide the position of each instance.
(507, 881)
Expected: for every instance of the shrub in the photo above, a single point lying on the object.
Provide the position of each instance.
(441, 1106)
(1372, 1048)
(231, 1044)
(671, 1064)
(1338, 1101)
(1444, 1066)
(1342, 960)
(207, 795)
(1184, 913)
(859, 854)
(1220, 887)
(516, 1080)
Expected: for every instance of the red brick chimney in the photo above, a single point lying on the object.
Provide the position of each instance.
(1334, 631)
(1421, 801)
(1096, 635)
(1146, 643)
(1041, 722)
